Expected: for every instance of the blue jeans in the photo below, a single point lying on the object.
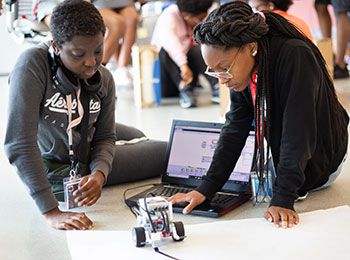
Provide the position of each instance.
(332, 177)
(341, 6)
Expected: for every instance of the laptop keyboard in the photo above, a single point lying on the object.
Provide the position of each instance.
(168, 191)
(221, 198)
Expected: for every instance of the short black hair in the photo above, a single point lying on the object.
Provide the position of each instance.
(194, 6)
(282, 4)
(75, 18)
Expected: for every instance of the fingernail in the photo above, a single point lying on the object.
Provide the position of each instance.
(269, 219)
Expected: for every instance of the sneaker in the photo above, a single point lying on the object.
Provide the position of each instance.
(122, 77)
(186, 99)
(340, 73)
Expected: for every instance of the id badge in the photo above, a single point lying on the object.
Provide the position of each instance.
(70, 184)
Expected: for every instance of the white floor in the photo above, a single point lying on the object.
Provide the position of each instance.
(156, 121)
(25, 235)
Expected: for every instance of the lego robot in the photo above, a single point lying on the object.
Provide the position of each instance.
(155, 222)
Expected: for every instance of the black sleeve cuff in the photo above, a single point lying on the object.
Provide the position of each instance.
(207, 188)
(278, 201)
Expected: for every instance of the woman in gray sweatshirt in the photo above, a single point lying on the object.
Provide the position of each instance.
(61, 115)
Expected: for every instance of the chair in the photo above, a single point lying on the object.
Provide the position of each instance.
(146, 86)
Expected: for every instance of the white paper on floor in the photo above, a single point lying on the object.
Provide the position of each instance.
(322, 234)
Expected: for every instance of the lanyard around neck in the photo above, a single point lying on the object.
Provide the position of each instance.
(73, 123)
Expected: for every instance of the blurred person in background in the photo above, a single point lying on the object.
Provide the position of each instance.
(281, 7)
(180, 59)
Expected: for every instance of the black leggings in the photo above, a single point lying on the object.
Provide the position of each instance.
(133, 162)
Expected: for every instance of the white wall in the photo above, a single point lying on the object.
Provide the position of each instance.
(9, 49)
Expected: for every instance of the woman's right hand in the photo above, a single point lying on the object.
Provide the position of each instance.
(67, 220)
(186, 74)
(193, 197)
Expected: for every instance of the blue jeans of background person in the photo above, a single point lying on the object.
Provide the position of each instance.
(341, 6)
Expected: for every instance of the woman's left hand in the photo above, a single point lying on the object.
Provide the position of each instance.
(90, 189)
(281, 216)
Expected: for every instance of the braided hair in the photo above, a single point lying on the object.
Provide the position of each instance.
(233, 25)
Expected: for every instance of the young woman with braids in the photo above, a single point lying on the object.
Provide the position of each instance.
(295, 107)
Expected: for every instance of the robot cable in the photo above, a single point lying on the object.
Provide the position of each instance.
(156, 249)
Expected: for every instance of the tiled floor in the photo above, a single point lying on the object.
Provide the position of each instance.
(25, 235)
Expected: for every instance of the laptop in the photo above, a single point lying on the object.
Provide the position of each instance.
(189, 154)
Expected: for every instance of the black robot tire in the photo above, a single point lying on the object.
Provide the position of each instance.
(139, 236)
(180, 231)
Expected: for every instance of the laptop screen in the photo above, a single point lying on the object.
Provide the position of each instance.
(192, 150)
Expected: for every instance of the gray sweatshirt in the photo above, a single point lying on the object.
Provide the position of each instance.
(37, 124)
